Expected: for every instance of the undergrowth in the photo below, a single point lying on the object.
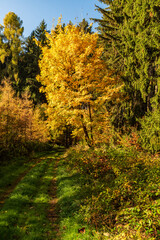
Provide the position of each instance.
(121, 188)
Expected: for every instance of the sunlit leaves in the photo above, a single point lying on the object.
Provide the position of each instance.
(19, 122)
(76, 81)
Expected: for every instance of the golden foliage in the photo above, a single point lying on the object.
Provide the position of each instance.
(19, 122)
(76, 82)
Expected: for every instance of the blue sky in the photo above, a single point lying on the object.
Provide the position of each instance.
(32, 12)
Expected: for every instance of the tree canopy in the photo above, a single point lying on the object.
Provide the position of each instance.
(76, 82)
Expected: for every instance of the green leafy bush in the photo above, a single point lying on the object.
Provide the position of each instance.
(122, 189)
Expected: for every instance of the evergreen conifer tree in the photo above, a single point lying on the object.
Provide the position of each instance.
(84, 25)
(29, 64)
(12, 45)
(40, 33)
(130, 30)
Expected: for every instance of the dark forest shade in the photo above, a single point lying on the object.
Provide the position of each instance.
(130, 31)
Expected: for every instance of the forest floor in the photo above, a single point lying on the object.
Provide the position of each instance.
(39, 200)
(28, 198)
(53, 197)
(8, 183)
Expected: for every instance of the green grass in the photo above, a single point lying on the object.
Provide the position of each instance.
(24, 214)
(11, 170)
(112, 193)
(71, 193)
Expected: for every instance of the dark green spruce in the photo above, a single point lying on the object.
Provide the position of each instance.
(130, 32)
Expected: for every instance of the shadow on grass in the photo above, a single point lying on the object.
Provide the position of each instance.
(72, 190)
(30, 224)
(24, 214)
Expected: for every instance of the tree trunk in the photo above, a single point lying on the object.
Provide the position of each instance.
(86, 133)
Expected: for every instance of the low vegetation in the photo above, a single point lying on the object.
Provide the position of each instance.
(99, 195)
(71, 193)
(121, 189)
(24, 213)
(21, 166)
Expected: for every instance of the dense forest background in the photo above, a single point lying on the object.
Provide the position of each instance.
(129, 35)
(97, 92)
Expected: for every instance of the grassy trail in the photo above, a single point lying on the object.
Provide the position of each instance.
(9, 186)
(43, 203)
(71, 192)
(26, 213)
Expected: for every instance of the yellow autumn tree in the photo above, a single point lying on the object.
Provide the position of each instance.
(76, 83)
(20, 123)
